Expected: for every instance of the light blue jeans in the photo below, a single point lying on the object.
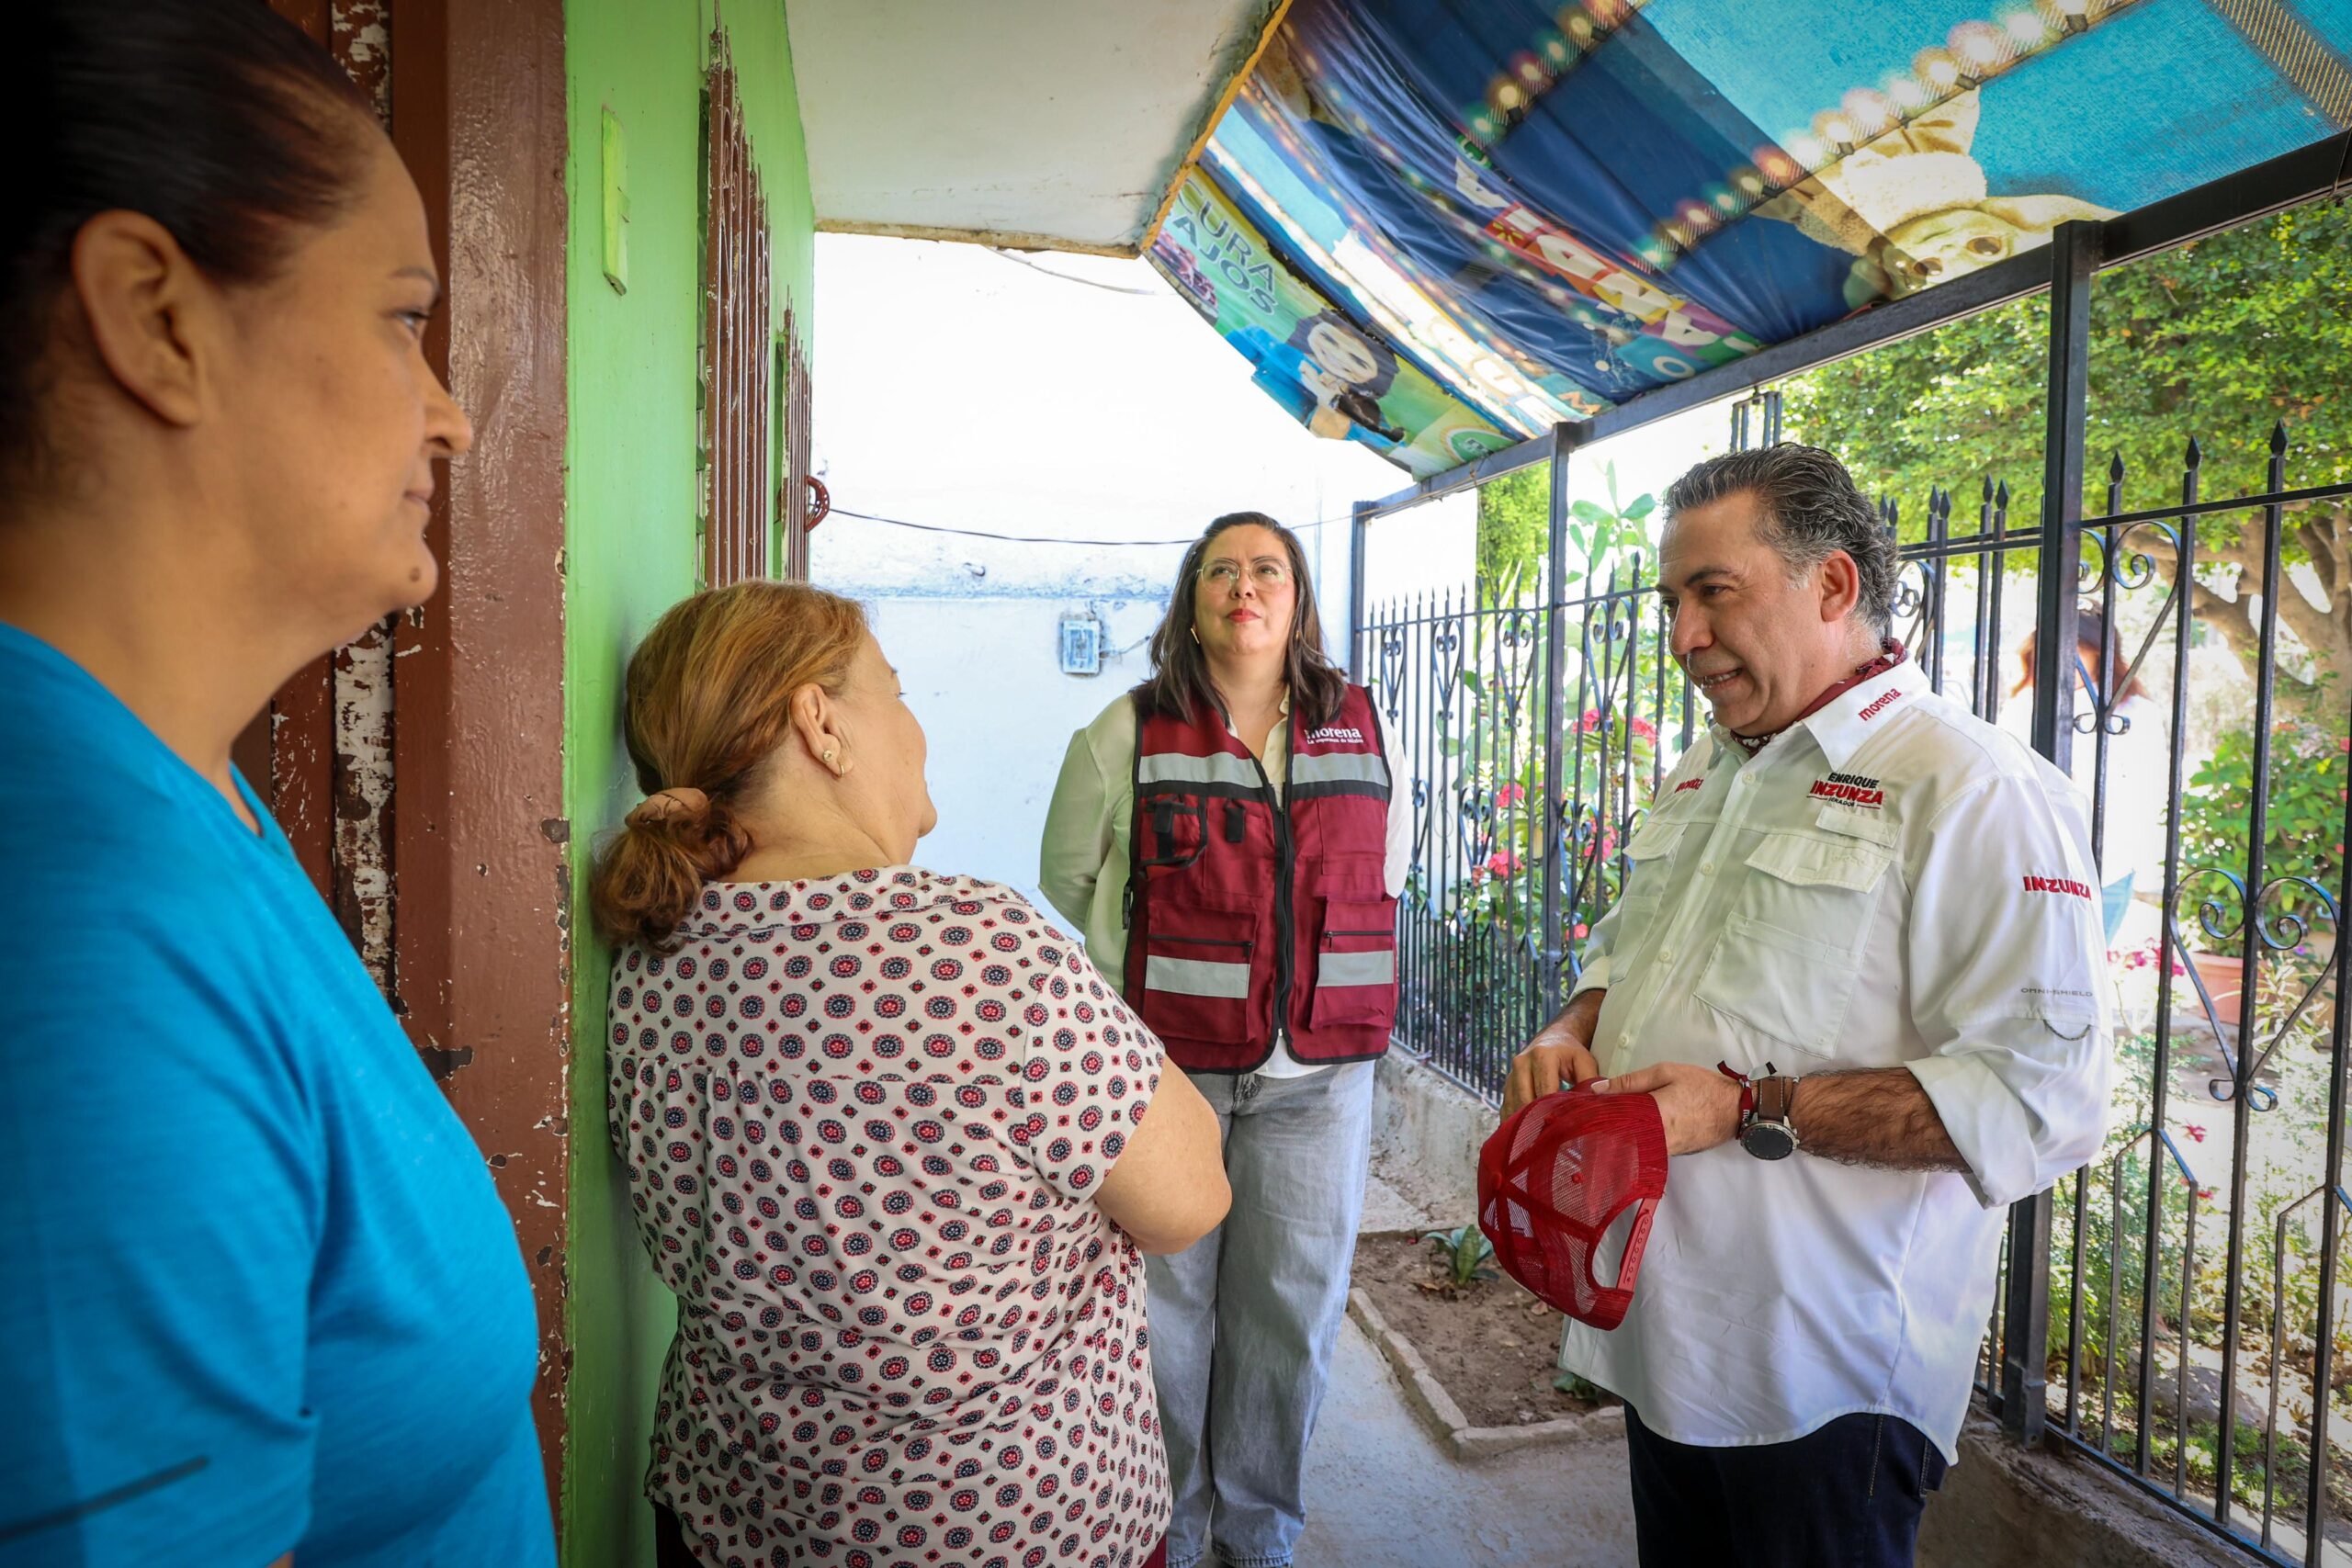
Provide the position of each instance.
(1243, 1322)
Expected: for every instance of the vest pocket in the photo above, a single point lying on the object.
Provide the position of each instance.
(1355, 965)
(1196, 985)
(1175, 830)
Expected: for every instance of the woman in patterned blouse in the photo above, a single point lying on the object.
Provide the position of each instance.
(891, 1140)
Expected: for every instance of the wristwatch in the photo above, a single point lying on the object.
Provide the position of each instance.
(1764, 1129)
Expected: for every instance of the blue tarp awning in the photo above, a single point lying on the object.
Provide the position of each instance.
(1439, 226)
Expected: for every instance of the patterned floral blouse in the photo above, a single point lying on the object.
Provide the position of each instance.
(863, 1119)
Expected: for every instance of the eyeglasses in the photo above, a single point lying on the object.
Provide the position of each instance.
(1266, 571)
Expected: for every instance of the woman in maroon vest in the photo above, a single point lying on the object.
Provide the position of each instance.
(1223, 835)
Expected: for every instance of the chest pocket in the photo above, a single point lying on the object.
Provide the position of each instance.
(1648, 855)
(1791, 947)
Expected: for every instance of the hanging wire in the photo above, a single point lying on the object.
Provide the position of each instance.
(1019, 259)
(1043, 539)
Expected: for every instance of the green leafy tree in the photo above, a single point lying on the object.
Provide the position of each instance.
(2221, 340)
(1515, 530)
(1514, 524)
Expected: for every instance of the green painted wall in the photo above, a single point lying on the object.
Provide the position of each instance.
(630, 553)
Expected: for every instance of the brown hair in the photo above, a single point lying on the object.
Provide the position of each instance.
(709, 702)
(217, 118)
(1180, 684)
(2106, 654)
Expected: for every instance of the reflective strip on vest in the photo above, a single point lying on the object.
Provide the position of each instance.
(1354, 969)
(1197, 977)
(1361, 767)
(1174, 767)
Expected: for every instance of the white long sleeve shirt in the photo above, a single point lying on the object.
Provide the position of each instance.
(1082, 859)
(1890, 883)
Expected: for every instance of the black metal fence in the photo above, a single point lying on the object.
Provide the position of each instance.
(2173, 1310)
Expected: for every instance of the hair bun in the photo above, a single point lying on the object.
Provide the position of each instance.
(670, 806)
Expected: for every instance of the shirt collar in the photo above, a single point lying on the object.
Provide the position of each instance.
(1852, 716)
(1283, 708)
(1840, 725)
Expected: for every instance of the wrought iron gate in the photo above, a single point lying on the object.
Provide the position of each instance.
(2172, 1310)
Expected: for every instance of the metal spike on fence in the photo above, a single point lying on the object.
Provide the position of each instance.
(2115, 469)
(2195, 455)
(2278, 438)
(2001, 496)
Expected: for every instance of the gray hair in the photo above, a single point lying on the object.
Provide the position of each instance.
(1811, 510)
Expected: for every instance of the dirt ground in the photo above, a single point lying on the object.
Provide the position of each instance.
(1493, 1347)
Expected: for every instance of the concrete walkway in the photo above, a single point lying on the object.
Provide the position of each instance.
(1381, 1494)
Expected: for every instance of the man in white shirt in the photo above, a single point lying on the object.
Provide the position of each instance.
(1858, 961)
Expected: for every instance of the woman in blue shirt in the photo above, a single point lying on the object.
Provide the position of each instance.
(260, 1299)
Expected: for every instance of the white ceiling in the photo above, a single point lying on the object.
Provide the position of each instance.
(1045, 124)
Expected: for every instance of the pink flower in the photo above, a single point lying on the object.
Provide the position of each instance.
(2196, 1132)
(1502, 862)
(1589, 722)
(1644, 728)
(1580, 930)
(2205, 1194)
(1511, 794)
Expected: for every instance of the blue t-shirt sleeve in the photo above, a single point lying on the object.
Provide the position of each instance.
(162, 1222)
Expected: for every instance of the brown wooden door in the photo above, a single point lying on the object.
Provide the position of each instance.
(418, 771)
(320, 755)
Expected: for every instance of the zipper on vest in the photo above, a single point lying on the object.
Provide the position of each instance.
(1206, 941)
(1285, 936)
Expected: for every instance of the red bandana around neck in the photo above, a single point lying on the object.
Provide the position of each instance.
(1890, 654)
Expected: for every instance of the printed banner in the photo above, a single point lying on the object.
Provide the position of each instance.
(1336, 374)
(1550, 208)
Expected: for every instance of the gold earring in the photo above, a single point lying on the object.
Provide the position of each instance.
(1197, 633)
(829, 758)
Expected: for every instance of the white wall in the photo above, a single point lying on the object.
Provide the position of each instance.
(983, 675)
(957, 389)
(1428, 549)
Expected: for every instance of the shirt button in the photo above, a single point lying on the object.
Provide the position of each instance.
(1666, 955)
(1706, 868)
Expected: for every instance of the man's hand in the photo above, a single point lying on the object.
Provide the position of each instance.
(1560, 1052)
(1545, 1066)
(1699, 1105)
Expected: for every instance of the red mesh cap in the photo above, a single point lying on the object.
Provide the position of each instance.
(1554, 1178)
